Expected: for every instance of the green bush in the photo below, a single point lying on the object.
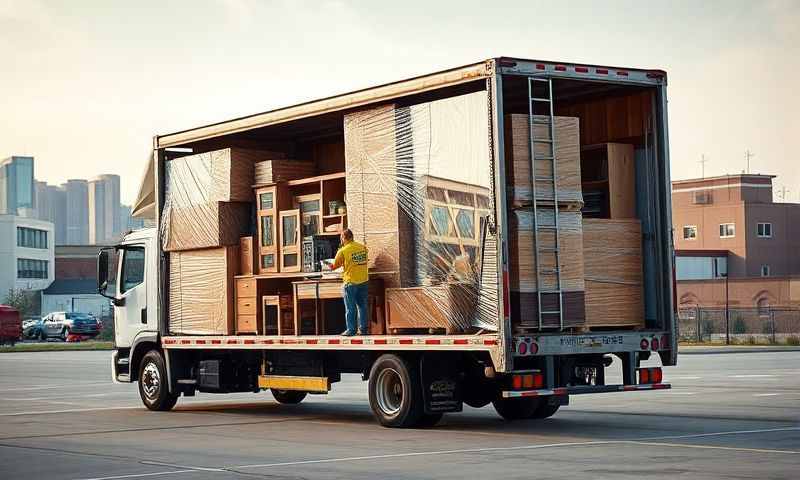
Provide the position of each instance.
(793, 340)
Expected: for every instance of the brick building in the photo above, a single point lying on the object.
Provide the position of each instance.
(729, 226)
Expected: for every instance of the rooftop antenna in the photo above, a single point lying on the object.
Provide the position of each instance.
(702, 163)
(748, 155)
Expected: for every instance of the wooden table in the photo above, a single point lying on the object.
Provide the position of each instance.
(317, 290)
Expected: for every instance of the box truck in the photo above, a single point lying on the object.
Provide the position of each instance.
(517, 219)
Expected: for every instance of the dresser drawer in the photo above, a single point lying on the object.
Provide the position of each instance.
(246, 306)
(246, 288)
(246, 324)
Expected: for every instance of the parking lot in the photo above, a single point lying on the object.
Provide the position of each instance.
(728, 415)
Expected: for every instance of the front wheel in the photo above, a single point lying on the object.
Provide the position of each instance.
(153, 386)
(288, 397)
(395, 392)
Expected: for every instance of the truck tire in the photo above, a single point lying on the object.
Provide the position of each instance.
(517, 408)
(153, 386)
(429, 420)
(288, 397)
(395, 392)
(545, 410)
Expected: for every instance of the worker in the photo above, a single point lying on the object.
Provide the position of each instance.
(355, 278)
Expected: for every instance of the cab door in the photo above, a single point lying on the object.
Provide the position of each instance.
(130, 310)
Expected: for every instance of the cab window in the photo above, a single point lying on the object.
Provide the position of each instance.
(132, 268)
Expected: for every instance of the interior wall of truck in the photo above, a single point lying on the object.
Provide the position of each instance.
(608, 180)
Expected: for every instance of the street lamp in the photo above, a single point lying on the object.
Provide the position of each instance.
(727, 311)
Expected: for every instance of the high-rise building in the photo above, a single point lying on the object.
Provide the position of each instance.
(51, 205)
(17, 192)
(77, 214)
(104, 208)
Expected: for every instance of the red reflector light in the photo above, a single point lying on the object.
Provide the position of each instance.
(522, 348)
(516, 382)
(534, 348)
(561, 68)
(655, 375)
(622, 73)
(654, 344)
(644, 344)
(538, 380)
(644, 375)
(527, 381)
(540, 66)
(602, 71)
(581, 69)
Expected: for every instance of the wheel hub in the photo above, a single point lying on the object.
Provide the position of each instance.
(389, 391)
(151, 381)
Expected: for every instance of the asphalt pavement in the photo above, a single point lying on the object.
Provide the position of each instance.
(734, 415)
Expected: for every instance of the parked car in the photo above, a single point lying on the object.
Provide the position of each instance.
(32, 328)
(10, 325)
(62, 324)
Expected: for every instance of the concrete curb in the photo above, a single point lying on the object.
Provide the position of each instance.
(702, 350)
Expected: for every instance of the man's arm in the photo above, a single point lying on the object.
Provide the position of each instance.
(338, 261)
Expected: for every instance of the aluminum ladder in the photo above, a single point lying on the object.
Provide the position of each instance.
(547, 162)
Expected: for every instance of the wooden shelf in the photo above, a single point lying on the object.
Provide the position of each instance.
(306, 181)
(335, 215)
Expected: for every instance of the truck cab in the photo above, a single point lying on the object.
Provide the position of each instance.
(128, 276)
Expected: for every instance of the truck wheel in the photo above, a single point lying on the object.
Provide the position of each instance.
(395, 392)
(288, 397)
(545, 411)
(153, 386)
(516, 408)
(429, 420)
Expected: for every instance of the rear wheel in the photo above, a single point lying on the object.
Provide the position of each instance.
(153, 386)
(516, 408)
(545, 410)
(288, 397)
(395, 393)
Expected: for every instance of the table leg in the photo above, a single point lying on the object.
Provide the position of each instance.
(296, 313)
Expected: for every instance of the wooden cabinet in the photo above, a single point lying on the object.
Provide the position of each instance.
(608, 180)
(269, 201)
(248, 313)
(310, 207)
(289, 221)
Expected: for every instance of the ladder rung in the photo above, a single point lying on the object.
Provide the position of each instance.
(548, 249)
(536, 140)
(540, 99)
(551, 312)
(543, 158)
(541, 122)
(546, 227)
(550, 291)
(542, 178)
(543, 80)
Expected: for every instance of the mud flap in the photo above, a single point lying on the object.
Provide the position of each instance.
(441, 383)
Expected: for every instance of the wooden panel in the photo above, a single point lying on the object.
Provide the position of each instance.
(621, 180)
(274, 171)
(246, 306)
(247, 257)
(245, 288)
(246, 324)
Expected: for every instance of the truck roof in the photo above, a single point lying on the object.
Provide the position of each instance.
(418, 84)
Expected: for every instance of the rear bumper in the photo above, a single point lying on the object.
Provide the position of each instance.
(584, 389)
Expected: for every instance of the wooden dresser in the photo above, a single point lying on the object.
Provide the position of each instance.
(248, 305)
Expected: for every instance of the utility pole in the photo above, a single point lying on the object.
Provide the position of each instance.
(748, 155)
(702, 163)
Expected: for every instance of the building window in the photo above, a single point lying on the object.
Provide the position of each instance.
(30, 268)
(764, 230)
(727, 230)
(690, 232)
(765, 270)
(31, 238)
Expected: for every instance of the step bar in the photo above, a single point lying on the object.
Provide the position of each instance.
(584, 389)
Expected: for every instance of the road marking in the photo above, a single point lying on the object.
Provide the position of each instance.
(69, 410)
(673, 392)
(642, 441)
(765, 394)
(685, 377)
(714, 447)
(752, 376)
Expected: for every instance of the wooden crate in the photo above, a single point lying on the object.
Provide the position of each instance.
(518, 174)
(613, 272)
(451, 307)
(281, 170)
(207, 225)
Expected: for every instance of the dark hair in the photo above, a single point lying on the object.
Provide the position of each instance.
(347, 234)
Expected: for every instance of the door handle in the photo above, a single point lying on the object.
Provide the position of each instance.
(144, 315)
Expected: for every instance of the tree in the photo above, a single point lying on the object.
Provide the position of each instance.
(22, 300)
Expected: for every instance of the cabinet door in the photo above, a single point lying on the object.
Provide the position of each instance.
(267, 230)
(290, 240)
(310, 207)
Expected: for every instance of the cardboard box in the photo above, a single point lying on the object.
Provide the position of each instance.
(208, 225)
(201, 291)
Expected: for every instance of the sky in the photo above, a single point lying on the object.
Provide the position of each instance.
(85, 85)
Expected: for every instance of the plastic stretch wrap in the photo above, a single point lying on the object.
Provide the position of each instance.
(201, 292)
(613, 272)
(201, 195)
(523, 271)
(568, 160)
(418, 195)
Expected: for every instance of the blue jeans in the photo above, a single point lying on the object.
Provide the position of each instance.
(355, 297)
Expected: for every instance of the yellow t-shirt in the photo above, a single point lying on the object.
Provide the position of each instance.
(353, 256)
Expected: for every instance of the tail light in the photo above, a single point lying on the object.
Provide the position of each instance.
(522, 349)
(527, 381)
(650, 375)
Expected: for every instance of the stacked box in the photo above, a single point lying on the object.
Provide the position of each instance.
(280, 170)
(612, 252)
(201, 291)
(523, 272)
(518, 163)
(212, 224)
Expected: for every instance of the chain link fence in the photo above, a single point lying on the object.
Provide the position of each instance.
(751, 326)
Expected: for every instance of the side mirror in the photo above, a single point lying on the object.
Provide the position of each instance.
(102, 273)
